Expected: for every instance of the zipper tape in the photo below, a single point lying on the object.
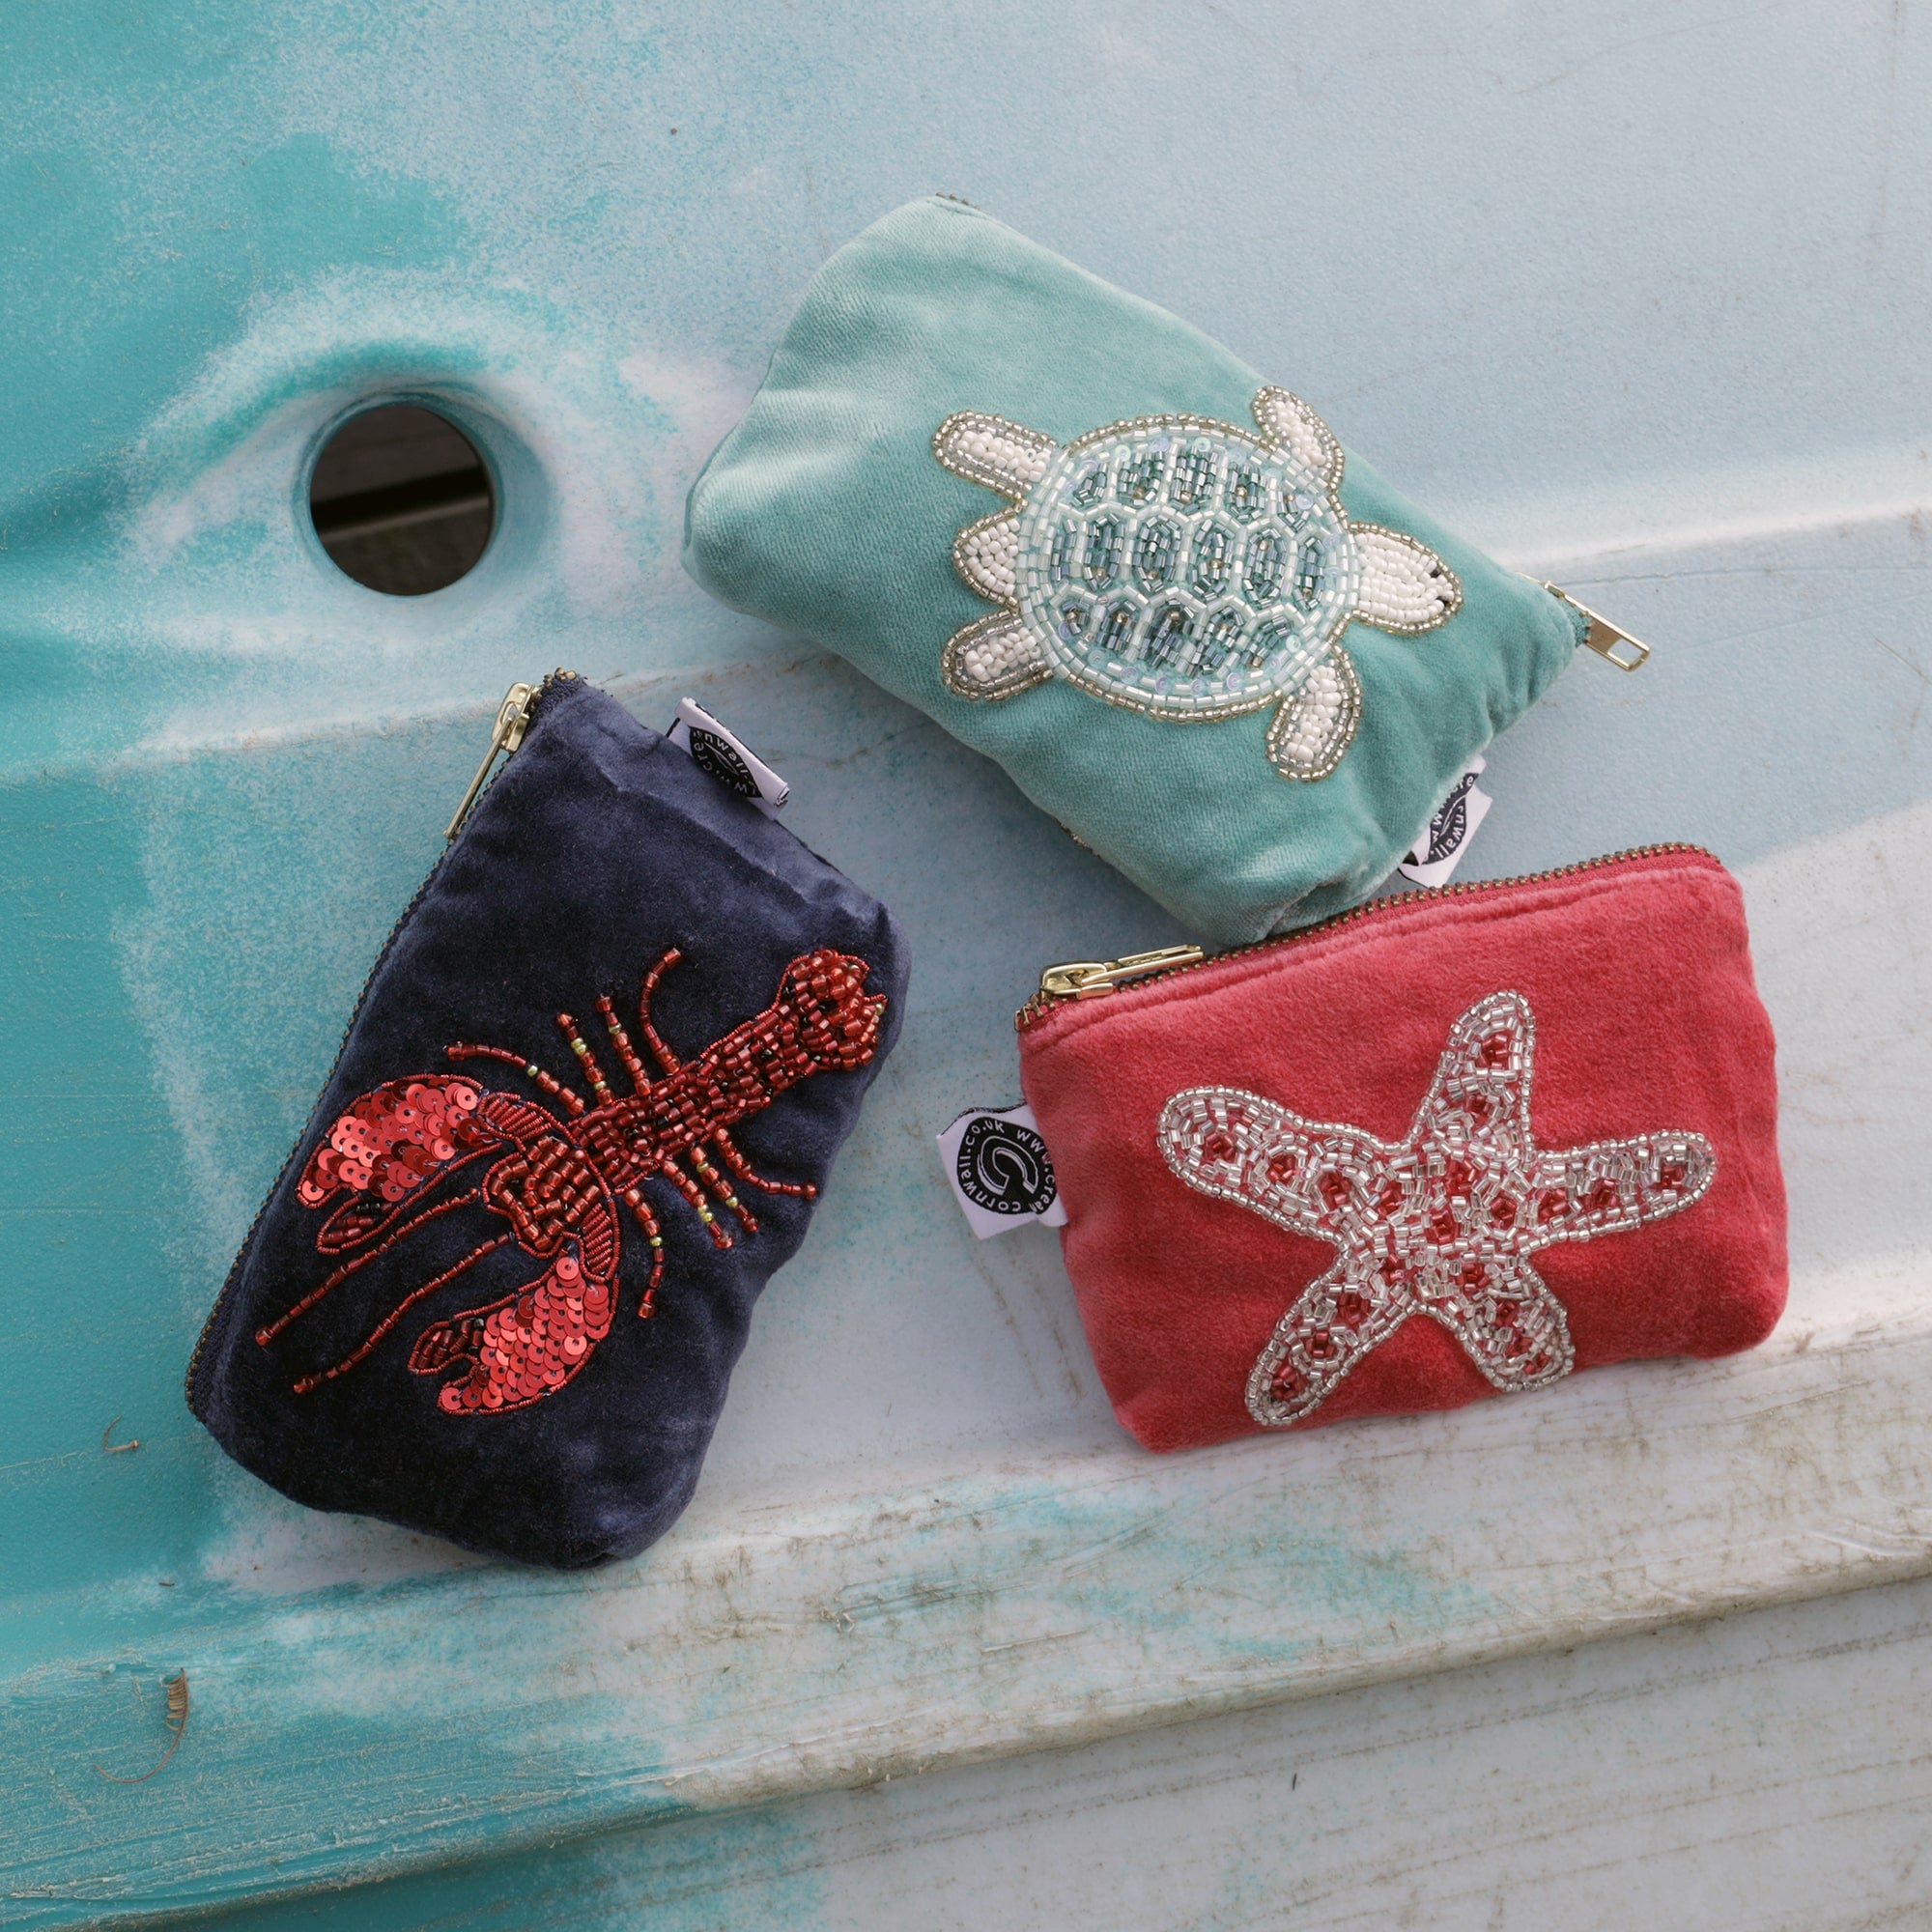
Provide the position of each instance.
(1090, 979)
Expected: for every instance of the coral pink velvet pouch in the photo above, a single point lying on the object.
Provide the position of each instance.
(1455, 1144)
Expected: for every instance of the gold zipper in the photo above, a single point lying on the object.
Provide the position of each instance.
(513, 720)
(1604, 637)
(1090, 979)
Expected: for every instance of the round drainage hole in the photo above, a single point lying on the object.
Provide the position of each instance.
(401, 500)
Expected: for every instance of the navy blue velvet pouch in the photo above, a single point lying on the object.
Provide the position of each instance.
(594, 1084)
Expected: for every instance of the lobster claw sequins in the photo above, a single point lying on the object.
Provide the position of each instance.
(392, 1138)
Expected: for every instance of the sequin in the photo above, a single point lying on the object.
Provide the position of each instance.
(558, 1182)
(1442, 1224)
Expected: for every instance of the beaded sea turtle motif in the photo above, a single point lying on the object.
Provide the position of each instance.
(1185, 568)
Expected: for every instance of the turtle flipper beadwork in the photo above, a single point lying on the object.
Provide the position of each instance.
(1284, 418)
(1442, 1224)
(1407, 588)
(1003, 456)
(1314, 727)
(1183, 567)
(992, 659)
(984, 554)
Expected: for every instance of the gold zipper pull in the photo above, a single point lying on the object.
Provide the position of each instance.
(1089, 978)
(1604, 637)
(513, 720)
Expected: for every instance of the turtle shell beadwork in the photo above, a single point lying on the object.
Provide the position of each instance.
(1185, 568)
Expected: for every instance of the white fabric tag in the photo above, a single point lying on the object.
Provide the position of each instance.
(1440, 849)
(727, 757)
(1000, 1171)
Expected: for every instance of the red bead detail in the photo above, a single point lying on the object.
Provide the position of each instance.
(1440, 1222)
(558, 1182)
(1219, 1145)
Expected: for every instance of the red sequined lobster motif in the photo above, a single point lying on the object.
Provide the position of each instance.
(562, 1184)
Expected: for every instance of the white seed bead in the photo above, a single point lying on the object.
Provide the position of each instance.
(1406, 587)
(988, 554)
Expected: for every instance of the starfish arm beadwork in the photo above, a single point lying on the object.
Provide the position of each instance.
(1482, 1082)
(1508, 1322)
(1441, 1225)
(1614, 1186)
(1300, 1175)
(1336, 1322)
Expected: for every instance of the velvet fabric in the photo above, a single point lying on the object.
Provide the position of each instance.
(1637, 972)
(826, 512)
(598, 848)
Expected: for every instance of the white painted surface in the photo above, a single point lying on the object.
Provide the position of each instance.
(1769, 1773)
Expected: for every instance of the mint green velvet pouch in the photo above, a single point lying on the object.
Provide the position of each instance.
(1095, 546)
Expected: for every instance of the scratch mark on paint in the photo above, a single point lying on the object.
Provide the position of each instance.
(1027, 1643)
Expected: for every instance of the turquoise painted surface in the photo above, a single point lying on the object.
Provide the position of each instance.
(1586, 277)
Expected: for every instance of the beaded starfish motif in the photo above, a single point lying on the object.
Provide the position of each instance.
(1442, 1224)
(1185, 568)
